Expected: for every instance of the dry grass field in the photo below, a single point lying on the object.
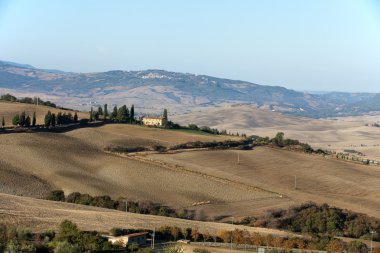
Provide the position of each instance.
(333, 134)
(138, 136)
(323, 180)
(10, 109)
(62, 161)
(39, 215)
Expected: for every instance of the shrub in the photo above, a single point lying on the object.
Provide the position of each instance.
(199, 250)
(57, 195)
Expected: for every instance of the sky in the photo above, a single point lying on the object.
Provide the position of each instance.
(316, 45)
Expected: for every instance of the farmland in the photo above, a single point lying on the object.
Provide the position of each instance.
(323, 180)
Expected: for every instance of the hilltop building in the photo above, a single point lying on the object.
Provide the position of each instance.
(125, 240)
(154, 121)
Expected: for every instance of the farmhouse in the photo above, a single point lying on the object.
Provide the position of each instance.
(139, 238)
(154, 121)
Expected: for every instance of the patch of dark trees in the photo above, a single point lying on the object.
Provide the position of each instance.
(314, 219)
(141, 207)
(29, 100)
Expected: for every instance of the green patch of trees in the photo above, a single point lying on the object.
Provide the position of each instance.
(27, 100)
(142, 207)
(322, 220)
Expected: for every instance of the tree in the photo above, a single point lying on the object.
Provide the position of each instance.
(68, 231)
(114, 113)
(27, 121)
(21, 121)
(34, 119)
(165, 118)
(48, 119)
(75, 117)
(195, 234)
(100, 111)
(91, 115)
(132, 114)
(66, 247)
(174, 231)
(105, 111)
(53, 119)
(16, 120)
(3, 122)
(225, 236)
(335, 245)
(122, 114)
(279, 139)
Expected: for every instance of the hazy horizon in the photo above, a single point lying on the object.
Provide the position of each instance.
(306, 46)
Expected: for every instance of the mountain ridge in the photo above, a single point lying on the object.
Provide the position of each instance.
(179, 92)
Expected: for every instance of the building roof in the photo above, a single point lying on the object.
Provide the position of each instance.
(137, 234)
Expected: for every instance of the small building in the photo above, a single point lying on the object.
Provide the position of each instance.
(154, 121)
(125, 240)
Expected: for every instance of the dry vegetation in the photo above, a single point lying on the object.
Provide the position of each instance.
(323, 180)
(40, 215)
(79, 163)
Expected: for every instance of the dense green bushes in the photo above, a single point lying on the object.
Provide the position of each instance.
(322, 220)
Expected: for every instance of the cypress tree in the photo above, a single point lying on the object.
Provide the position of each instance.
(16, 120)
(22, 119)
(132, 114)
(165, 118)
(75, 117)
(27, 121)
(48, 119)
(100, 111)
(53, 120)
(59, 118)
(91, 113)
(34, 119)
(105, 112)
(114, 113)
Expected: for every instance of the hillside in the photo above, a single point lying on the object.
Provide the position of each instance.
(76, 161)
(41, 215)
(332, 133)
(323, 180)
(152, 90)
(10, 109)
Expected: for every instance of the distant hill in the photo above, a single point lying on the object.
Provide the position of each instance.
(180, 92)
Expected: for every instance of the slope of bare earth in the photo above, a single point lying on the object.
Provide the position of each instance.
(10, 109)
(333, 134)
(323, 180)
(40, 215)
(72, 164)
(138, 136)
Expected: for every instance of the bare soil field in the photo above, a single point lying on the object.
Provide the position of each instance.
(139, 136)
(10, 109)
(333, 134)
(39, 215)
(322, 180)
(59, 161)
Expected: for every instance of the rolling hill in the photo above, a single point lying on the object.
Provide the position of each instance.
(9, 109)
(152, 90)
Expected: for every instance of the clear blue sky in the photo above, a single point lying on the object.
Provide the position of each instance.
(303, 45)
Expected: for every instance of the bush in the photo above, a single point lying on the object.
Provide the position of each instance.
(57, 195)
(199, 250)
(159, 148)
(65, 247)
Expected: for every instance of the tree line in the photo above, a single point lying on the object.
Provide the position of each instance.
(27, 100)
(121, 204)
